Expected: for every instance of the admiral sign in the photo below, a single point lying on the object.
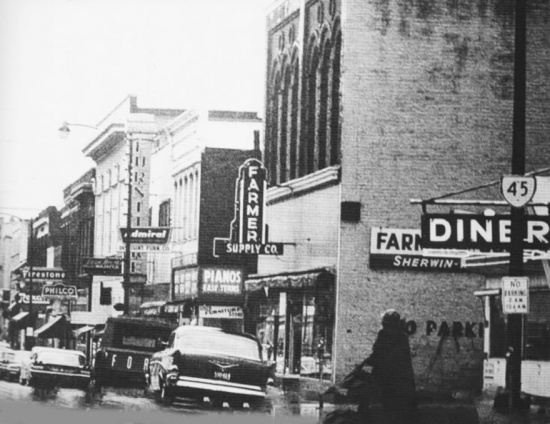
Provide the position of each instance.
(401, 248)
(154, 235)
(248, 229)
(463, 231)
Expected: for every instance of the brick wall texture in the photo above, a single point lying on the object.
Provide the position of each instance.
(427, 109)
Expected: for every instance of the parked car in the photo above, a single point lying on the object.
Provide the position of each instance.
(10, 364)
(210, 362)
(25, 372)
(51, 367)
(126, 348)
(5, 354)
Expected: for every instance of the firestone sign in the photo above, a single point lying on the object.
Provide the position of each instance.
(248, 229)
(43, 274)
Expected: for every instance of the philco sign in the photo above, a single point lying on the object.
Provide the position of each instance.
(59, 290)
(156, 235)
(248, 229)
(225, 281)
(401, 248)
(443, 231)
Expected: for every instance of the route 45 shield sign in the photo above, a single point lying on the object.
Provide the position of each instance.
(518, 190)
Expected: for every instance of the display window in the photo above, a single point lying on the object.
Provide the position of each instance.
(295, 328)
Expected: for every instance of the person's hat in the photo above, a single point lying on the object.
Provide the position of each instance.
(391, 316)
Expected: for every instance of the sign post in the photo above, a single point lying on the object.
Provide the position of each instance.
(514, 329)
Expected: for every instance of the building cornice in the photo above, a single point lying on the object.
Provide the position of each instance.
(303, 185)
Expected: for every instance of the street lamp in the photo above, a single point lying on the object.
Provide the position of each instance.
(64, 129)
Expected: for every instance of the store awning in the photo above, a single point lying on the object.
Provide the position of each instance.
(152, 308)
(20, 317)
(82, 330)
(487, 292)
(155, 304)
(288, 281)
(55, 328)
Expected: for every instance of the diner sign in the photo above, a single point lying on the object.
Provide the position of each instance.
(465, 231)
(248, 231)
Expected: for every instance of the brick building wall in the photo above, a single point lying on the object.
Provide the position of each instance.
(426, 110)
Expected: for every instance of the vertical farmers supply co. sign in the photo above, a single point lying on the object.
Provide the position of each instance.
(248, 233)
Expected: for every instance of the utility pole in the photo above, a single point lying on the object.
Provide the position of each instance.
(127, 253)
(514, 329)
(30, 257)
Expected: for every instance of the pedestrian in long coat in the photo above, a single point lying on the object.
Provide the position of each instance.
(393, 371)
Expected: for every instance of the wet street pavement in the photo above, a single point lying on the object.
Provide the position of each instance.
(24, 404)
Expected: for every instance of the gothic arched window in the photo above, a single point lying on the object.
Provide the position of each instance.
(294, 103)
(307, 157)
(335, 127)
(324, 72)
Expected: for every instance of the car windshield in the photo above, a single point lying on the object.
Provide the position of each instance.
(68, 359)
(219, 343)
(21, 355)
(7, 356)
(139, 336)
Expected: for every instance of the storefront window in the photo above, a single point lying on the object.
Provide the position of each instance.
(295, 330)
(537, 326)
(498, 328)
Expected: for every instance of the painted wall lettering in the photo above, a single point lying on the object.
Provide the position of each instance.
(444, 329)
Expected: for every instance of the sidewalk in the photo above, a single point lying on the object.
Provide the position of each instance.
(461, 411)
(488, 415)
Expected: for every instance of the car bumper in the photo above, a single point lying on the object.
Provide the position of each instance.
(56, 379)
(215, 386)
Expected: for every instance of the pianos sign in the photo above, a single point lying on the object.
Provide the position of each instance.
(248, 233)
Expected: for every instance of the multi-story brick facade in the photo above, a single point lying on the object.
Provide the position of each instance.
(370, 104)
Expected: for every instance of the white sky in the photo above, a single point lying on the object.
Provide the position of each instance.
(75, 60)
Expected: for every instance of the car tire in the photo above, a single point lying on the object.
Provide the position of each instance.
(23, 381)
(166, 395)
(341, 417)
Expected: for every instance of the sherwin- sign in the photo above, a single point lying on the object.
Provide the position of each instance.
(462, 231)
(248, 232)
(401, 248)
